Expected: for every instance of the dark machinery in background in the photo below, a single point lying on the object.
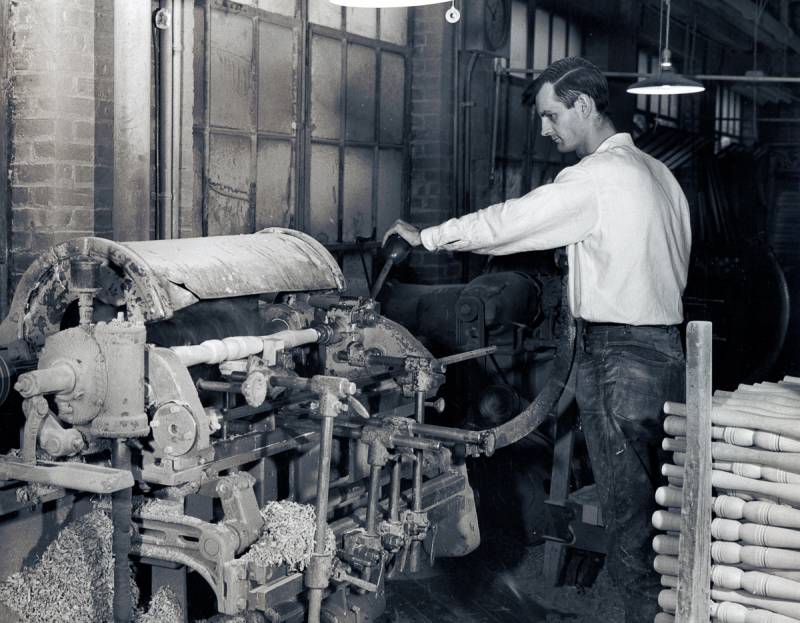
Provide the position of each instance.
(206, 377)
(735, 280)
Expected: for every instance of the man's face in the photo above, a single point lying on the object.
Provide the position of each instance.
(563, 125)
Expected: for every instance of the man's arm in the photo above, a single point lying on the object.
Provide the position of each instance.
(551, 216)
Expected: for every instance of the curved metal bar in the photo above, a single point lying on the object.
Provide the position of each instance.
(170, 554)
(532, 417)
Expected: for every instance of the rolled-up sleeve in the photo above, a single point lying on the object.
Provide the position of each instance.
(554, 215)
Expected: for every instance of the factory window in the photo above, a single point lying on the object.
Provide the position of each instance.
(662, 109)
(727, 117)
(357, 139)
(300, 122)
(554, 38)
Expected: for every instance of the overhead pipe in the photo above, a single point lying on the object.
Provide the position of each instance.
(130, 217)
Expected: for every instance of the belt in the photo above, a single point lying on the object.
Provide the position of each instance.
(606, 326)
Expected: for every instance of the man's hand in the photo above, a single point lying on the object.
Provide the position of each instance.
(406, 231)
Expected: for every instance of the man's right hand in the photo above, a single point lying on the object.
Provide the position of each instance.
(406, 231)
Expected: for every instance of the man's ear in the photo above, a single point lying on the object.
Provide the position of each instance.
(585, 105)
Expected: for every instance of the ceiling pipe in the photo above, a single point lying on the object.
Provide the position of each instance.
(710, 77)
(130, 216)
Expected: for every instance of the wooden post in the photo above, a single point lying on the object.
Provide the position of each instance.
(694, 548)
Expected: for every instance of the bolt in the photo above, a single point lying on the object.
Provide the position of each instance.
(154, 424)
(168, 449)
(241, 603)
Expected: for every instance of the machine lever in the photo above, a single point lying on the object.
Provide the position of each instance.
(396, 249)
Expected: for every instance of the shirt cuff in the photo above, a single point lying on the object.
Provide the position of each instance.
(428, 237)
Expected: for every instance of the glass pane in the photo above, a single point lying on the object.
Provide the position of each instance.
(357, 210)
(276, 84)
(323, 208)
(519, 34)
(231, 70)
(325, 13)
(326, 77)
(717, 111)
(540, 40)
(274, 185)
(390, 189)
(575, 41)
(559, 42)
(284, 7)
(360, 93)
(641, 69)
(229, 185)
(394, 25)
(361, 21)
(392, 102)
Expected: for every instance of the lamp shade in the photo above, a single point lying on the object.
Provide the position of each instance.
(385, 4)
(666, 82)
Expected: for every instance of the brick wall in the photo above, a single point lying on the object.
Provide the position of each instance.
(60, 105)
(431, 197)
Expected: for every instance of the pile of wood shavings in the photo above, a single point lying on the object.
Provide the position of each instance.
(164, 608)
(74, 579)
(288, 536)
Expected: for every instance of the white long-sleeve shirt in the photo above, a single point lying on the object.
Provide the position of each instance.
(624, 220)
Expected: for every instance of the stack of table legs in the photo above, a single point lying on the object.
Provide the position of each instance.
(755, 526)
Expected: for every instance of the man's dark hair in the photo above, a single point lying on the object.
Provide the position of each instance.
(570, 77)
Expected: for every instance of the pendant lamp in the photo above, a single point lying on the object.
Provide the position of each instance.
(666, 81)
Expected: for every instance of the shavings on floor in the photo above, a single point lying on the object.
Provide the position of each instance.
(163, 608)
(287, 536)
(72, 581)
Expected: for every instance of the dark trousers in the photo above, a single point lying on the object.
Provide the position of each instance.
(625, 374)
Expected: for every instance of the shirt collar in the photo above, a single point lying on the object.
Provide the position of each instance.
(620, 139)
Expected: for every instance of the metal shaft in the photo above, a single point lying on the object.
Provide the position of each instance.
(121, 510)
(394, 495)
(416, 552)
(323, 482)
(374, 499)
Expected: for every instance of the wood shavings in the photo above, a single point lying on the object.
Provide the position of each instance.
(287, 536)
(164, 608)
(154, 506)
(73, 581)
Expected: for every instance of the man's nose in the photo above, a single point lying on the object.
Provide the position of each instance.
(546, 127)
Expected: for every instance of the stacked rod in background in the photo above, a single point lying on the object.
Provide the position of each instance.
(754, 531)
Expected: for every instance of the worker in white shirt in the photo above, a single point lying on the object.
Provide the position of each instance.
(625, 223)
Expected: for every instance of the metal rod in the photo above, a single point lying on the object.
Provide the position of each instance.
(165, 134)
(710, 77)
(415, 553)
(374, 499)
(219, 386)
(323, 482)
(121, 511)
(394, 493)
(444, 433)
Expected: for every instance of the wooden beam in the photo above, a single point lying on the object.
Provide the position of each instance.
(694, 547)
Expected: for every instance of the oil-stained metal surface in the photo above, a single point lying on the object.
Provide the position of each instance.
(156, 278)
(273, 260)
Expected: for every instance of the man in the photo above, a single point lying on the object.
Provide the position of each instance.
(625, 223)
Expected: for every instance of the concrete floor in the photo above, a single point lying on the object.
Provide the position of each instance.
(502, 581)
